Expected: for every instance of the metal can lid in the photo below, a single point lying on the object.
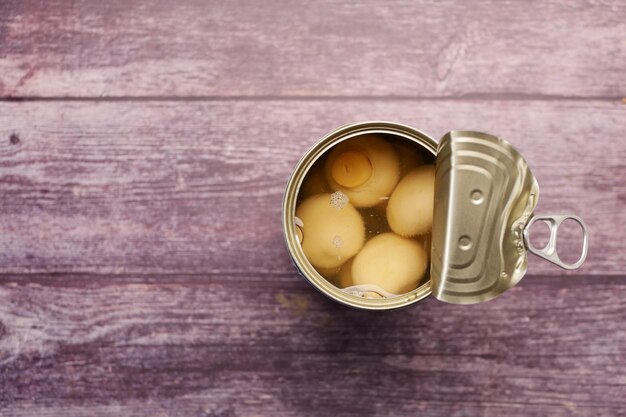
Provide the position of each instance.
(484, 197)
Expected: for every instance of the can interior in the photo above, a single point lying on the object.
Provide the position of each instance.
(392, 132)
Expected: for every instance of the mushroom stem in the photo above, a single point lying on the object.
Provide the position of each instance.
(351, 169)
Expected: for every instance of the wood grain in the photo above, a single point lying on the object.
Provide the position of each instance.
(158, 187)
(144, 149)
(322, 48)
(223, 345)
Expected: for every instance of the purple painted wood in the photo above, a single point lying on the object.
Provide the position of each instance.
(321, 48)
(142, 264)
(253, 345)
(196, 187)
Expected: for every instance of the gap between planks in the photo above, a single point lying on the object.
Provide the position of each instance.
(269, 279)
(463, 97)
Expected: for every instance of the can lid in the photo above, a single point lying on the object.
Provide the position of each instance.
(484, 197)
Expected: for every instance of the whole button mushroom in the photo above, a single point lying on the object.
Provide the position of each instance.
(332, 229)
(410, 208)
(394, 263)
(365, 168)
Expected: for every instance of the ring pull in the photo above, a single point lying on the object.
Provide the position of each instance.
(549, 252)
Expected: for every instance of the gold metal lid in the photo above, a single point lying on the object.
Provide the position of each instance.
(485, 195)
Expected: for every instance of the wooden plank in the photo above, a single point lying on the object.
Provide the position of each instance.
(162, 187)
(322, 48)
(249, 346)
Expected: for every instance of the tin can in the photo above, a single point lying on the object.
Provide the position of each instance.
(484, 199)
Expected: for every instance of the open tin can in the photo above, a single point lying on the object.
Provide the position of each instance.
(484, 197)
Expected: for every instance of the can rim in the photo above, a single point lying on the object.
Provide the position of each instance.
(289, 207)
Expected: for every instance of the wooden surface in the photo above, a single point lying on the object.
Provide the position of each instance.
(144, 149)
(162, 187)
(257, 345)
(319, 48)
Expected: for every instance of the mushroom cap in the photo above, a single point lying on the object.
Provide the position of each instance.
(411, 205)
(394, 263)
(332, 230)
(365, 168)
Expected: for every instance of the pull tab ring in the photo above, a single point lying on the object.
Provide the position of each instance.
(549, 252)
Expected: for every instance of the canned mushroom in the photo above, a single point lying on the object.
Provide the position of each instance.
(377, 216)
